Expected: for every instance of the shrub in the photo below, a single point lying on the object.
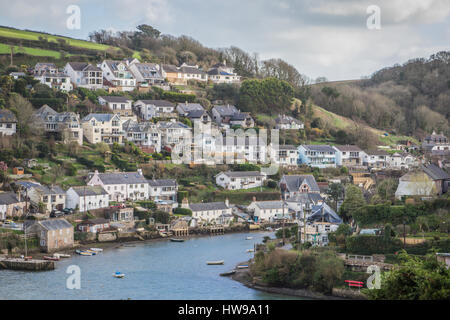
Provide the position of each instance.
(370, 244)
(183, 211)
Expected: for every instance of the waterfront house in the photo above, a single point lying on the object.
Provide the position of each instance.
(163, 189)
(293, 185)
(320, 223)
(349, 155)
(268, 210)
(58, 81)
(122, 186)
(237, 180)
(87, 198)
(210, 212)
(65, 125)
(118, 104)
(118, 74)
(52, 197)
(148, 109)
(319, 156)
(103, 127)
(119, 214)
(284, 122)
(11, 205)
(84, 75)
(53, 234)
(143, 134)
(94, 225)
(8, 123)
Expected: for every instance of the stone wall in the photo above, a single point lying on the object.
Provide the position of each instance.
(107, 236)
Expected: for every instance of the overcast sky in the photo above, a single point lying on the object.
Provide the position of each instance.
(319, 37)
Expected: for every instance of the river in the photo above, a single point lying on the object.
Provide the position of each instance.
(153, 270)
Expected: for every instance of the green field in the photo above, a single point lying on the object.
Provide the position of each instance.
(29, 35)
(5, 49)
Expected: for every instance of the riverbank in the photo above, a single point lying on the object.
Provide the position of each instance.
(244, 277)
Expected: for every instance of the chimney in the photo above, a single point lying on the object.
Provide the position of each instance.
(227, 202)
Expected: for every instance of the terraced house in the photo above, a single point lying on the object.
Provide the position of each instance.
(118, 105)
(8, 123)
(52, 197)
(85, 198)
(143, 134)
(163, 189)
(210, 212)
(118, 74)
(103, 127)
(122, 186)
(319, 156)
(148, 109)
(84, 75)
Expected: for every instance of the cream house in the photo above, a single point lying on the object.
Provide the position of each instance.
(103, 127)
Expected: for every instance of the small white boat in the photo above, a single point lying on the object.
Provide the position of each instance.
(249, 238)
(96, 249)
(243, 266)
(250, 250)
(61, 255)
(118, 275)
(215, 263)
(84, 253)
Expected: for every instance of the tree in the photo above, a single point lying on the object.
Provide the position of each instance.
(422, 222)
(416, 278)
(336, 193)
(24, 113)
(148, 31)
(386, 188)
(353, 201)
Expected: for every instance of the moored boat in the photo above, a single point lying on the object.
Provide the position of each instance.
(249, 238)
(96, 249)
(215, 263)
(84, 253)
(51, 258)
(244, 266)
(176, 240)
(61, 255)
(229, 273)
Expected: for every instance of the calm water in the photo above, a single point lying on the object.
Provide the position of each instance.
(157, 270)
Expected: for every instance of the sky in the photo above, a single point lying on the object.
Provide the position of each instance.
(321, 38)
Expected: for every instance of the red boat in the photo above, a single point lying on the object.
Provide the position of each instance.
(51, 258)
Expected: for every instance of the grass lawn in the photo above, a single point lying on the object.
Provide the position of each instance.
(5, 49)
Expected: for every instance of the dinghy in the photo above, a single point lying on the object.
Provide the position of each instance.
(96, 249)
(176, 240)
(249, 238)
(243, 266)
(51, 258)
(84, 253)
(215, 263)
(118, 275)
(61, 255)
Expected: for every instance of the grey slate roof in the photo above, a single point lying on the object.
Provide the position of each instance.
(287, 147)
(99, 117)
(159, 103)
(238, 174)
(208, 206)
(226, 111)
(50, 190)
(172, 125)
(8, 198)
(122, 178)
(83, 66)
(306, 197)
(187, 107)
(162, 183)
(90, 191)
(319, 148)
(116, 99)
(348, 148)
(148, 70)
(170, 68)
(435, 172)
(277, 204)
(195, 114)
(323, 213)
(6, 116)
(293, 183)
(55, 224)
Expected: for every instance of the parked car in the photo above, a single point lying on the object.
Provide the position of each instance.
(68, 211)
(56, 214)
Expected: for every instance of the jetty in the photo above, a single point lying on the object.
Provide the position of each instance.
(26, 265)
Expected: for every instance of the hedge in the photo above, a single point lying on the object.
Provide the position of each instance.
(183, 211)
(423, 248)
(370, 244)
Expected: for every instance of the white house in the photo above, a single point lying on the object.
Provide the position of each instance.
(236, 180)
(402, 160)
(8, 123)
(287, 155)
(349, 155)
(268, 210)
(163, 189)
(148, 109)
(376, 159)
(221, 73)
(118, 73)
(143, 134)
(44, 67)
(146, 73)
(284, 122)
(87, 198)
(122, 185)
(211, 212)
(53, 197)
(118, 104)
(174, 133)
(57, 81)
(84, 75)
(319, 156)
